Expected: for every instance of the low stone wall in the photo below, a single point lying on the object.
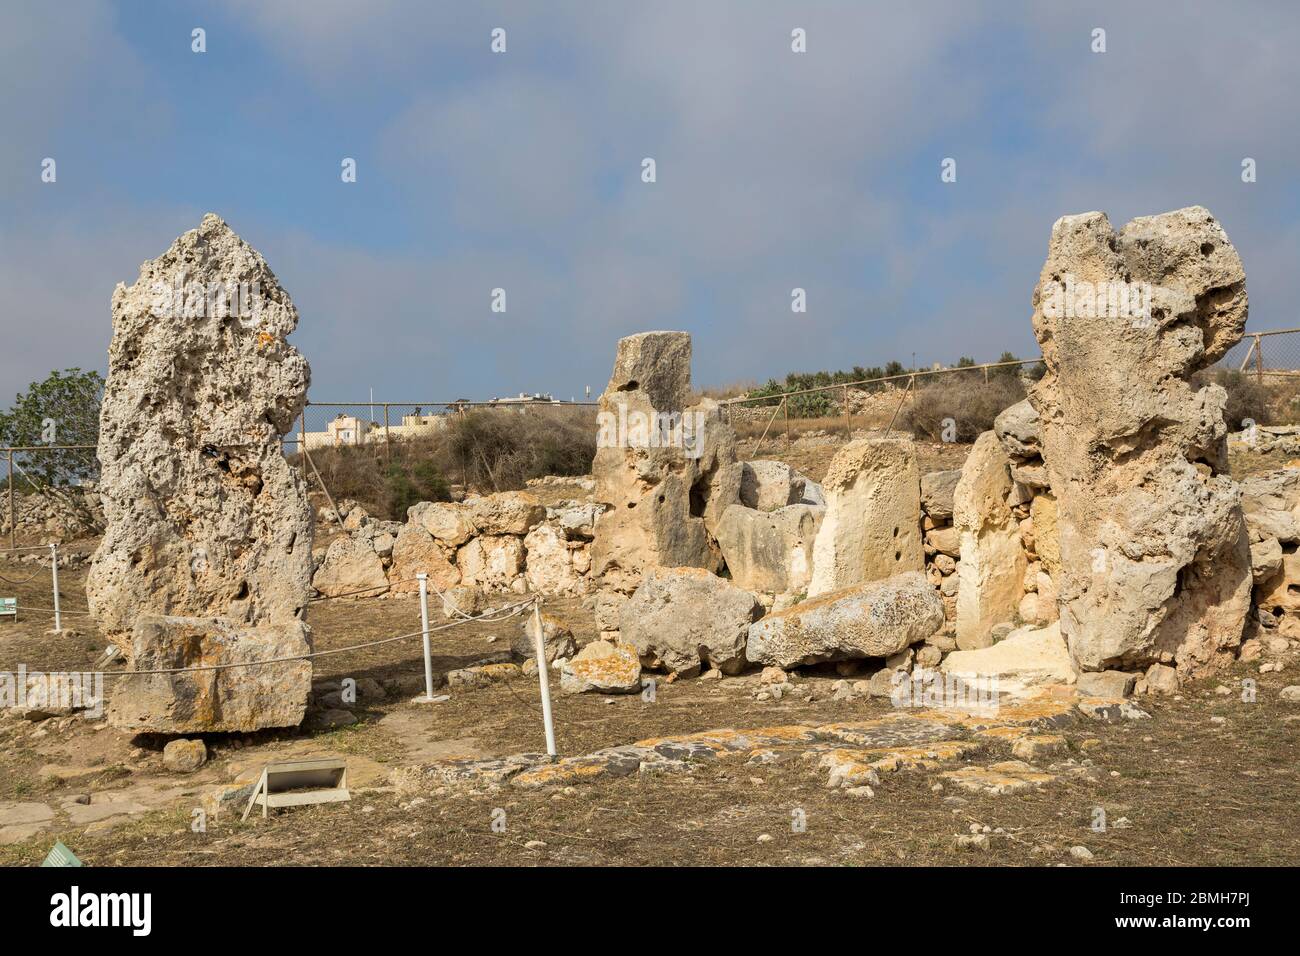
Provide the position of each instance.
(507, 542)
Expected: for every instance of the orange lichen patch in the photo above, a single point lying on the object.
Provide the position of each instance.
(1042, 711)
(789, 734)
(500, 671)
(1004, 735)
(559, 773)
(847, 769)
(1008, 776)
(1034, 746)
(264, 339)
(927, 757)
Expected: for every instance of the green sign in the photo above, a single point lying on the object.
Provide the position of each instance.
(60, 855)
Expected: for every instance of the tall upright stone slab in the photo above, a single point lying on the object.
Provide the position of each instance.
(206, 559)
(659, 462)
(1154, 550)
(872, 526)
(992, 558)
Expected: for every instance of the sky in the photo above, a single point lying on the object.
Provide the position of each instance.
(523, 170)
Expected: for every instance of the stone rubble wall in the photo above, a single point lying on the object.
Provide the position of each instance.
(508, 542)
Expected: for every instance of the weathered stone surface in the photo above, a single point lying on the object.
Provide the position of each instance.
(204, 515)
(1018, 429)
(416, 551)
(1279, 592)
(1106, 683)
(184, 756)
(683, 618)
(992, 559)
(351, 567)
(770, 551)
(872, 526)
(768, 485)
(506, 512)
(1043, 513)
(549, 563)
(230, 699)
(1024, 659)
(463, 599)
(937, 489)
(1154, 547)
(492, 562)
(602, 667)
(557, 639)
(875, 619)
(1265, 559)
(657, 490)
(444, 520)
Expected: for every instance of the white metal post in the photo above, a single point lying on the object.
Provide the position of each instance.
(423, 578)
(543, 677)
(54, 570)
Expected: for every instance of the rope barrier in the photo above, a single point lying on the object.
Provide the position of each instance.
(512, 609)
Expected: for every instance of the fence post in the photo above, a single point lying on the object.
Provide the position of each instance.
(1259, 360)
(388, 442)
(543, 677)
(423, 578)
(54, 571)
(848, 425)
(785, 403)
(302, 441)
(13, 511)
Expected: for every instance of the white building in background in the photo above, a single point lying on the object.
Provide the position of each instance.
(343, 430)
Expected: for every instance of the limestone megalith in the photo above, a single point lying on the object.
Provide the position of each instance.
(658, 464)
(207, 554)
(1153, 546)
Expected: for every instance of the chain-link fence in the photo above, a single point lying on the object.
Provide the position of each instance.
(1266, 353)
(42, 491)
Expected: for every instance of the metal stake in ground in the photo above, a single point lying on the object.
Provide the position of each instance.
(423, 578)
(543, 677)
(54, 571)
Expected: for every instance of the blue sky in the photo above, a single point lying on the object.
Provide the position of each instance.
(522, 171)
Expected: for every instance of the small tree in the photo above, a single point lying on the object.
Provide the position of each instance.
(62, 410)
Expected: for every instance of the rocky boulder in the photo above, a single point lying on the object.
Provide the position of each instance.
(872, 526)
(992, 567)
(1154, 548)
(770, 551)
(602, 667)
(205, 517)
(351, 567)
(876, 619)
(686, 618)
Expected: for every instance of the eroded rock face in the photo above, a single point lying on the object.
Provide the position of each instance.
(872, 526)
(1154, 550)
(876, 619)
(205, 518)
(770, 551)
(656, 491)
(683, 618)
(992, 568)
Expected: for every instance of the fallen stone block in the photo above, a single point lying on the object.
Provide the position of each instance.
(876, 619)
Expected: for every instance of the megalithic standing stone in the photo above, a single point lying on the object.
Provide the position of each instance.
(207, 554)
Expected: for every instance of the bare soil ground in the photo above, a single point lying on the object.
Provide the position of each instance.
(1194, 791)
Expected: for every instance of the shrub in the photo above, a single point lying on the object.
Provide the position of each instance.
(967, 400)
(1247, 397)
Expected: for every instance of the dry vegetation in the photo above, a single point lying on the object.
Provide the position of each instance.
(485, 449)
